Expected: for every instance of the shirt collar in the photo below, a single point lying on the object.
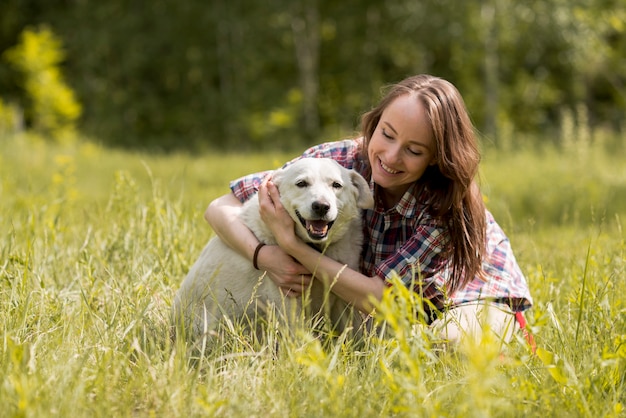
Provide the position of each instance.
(411, 203)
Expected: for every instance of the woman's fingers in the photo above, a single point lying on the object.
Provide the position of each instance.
(265, 200)
(296, 285)
(273, 193)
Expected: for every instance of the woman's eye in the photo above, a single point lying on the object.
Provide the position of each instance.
(386, 135)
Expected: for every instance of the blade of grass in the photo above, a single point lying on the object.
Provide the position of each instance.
(582, 293)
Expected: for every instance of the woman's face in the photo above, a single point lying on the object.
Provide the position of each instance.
(401, 147)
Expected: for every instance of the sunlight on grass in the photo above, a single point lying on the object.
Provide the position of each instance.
(95, 242)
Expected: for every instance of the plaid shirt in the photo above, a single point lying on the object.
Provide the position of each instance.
(406, 241)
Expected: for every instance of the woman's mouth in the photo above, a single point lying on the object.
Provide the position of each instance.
(386, 168)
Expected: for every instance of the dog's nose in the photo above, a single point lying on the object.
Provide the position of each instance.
(320, 208)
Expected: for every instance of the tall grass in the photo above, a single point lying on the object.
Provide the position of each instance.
(94, 243)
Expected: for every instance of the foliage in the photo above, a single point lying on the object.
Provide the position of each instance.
(518, 185)
(241, 74)
(54, 109)
(9, 119)
(95, 242)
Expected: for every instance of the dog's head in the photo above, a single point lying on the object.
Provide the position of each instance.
(322, 197)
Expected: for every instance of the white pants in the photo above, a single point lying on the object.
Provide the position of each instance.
(472, 320)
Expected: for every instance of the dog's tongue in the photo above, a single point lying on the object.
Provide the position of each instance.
(317, 228)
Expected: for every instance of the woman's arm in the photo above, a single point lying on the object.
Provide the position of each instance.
(348, 284)
(223, 216)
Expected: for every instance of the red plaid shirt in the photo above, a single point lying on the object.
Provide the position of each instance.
(408, 242)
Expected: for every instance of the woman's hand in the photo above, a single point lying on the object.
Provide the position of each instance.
(291, 277)
(275, 216)
(223, 216)
(288, 274)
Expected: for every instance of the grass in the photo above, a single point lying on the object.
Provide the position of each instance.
(94, 243)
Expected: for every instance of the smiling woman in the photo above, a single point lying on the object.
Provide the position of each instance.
(429, 225)
(401, 149)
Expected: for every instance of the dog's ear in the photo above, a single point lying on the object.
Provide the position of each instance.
(277, 176)
(365, 199)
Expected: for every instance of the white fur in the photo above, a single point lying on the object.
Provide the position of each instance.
(222, 283)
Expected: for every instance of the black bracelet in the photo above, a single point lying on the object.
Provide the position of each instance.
(256, 254)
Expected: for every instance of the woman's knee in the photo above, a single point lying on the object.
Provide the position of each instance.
(473, 320)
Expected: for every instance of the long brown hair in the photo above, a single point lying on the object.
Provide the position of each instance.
(455, 196)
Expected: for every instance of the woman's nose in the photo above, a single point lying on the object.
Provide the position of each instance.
(392, 154)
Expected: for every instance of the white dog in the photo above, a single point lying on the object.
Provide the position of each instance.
(325, 201)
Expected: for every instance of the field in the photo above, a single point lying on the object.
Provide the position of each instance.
(94, 243)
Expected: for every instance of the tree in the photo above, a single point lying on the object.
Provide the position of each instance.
(53, 108)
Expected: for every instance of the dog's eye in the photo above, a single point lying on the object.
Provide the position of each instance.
(302, 183)
(337, 185)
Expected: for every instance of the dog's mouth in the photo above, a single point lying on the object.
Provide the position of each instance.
(316, 228)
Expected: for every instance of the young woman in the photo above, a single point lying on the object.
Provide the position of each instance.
(429, 225)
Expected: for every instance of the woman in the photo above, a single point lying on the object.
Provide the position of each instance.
(429, 225)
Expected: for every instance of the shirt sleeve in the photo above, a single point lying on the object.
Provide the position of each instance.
(341, 151)
(245, 187)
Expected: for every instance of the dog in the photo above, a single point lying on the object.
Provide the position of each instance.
(325, 201)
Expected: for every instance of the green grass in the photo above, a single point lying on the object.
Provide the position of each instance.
(95, 242)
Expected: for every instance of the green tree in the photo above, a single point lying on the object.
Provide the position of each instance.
(53, 108)
(283, 74)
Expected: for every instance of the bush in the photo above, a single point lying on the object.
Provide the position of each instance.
(10, 118)
(53, 108)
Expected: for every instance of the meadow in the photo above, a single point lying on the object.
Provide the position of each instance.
(94, 243)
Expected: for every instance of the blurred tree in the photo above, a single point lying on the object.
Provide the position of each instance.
(52, 106)
(305, 26)
(282, 74)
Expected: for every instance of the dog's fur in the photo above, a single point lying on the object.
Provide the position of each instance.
(324, 199)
